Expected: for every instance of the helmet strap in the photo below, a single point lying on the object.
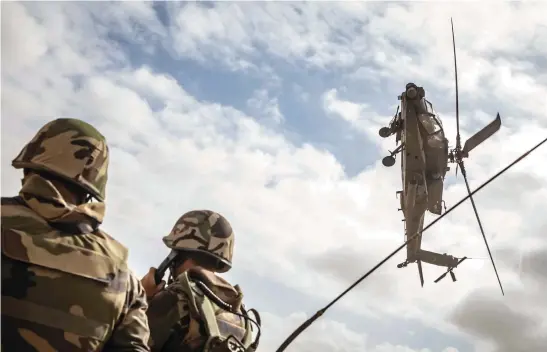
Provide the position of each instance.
(88, 198)
(171, 278)
(178, 261)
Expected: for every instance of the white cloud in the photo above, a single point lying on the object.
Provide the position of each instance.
(325, 335)
(262, 106)
(300, 93)
(229, 32)
(301, 221)
(349, 111)
(319, 337)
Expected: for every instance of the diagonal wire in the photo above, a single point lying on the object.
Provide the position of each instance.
(320, 312)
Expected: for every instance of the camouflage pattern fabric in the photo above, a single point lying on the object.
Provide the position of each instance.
(71, 149)
(63, 291)
(204, 232)
(174, 318)
(45, 199)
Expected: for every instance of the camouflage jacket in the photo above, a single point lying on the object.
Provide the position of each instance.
(65, 288)
(175, 320)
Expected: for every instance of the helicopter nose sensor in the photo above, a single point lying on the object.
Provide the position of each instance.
(411, 92)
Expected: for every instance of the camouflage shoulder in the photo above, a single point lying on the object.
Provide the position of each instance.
(131, 331)
(116, 248)
(166, 309)
(12, 201)
(135, 286)
(16, 215)
(136, 301)
(91, 293)
(178, 293)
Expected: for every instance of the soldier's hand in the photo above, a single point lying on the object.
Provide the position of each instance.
(149, 283)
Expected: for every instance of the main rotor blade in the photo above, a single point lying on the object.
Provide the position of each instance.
(320, 312)
(458, 142)
(464, 174)
(482, 135)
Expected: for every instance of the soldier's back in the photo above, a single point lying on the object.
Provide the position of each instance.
(184, 318)
(63, 291)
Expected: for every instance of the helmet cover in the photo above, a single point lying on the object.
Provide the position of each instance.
(72, 150)
(204, 233)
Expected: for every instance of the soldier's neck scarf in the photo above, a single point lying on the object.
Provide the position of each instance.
(45, 199)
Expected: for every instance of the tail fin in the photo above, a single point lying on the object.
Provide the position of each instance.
(420, 272)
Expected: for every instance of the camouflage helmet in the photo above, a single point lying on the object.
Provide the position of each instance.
(72, 150)
(206, 236)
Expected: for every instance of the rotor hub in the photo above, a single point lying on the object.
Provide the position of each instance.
(456, 155)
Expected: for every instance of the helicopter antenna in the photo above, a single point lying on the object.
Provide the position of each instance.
(459, 155)
(320, 312)
(458, 142)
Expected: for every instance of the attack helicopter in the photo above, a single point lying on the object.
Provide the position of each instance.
(425, 154)
(433, 158)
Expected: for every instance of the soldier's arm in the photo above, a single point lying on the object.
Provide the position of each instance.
(131, 332)
(165, 309)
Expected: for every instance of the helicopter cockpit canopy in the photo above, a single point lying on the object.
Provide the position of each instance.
(432, 124)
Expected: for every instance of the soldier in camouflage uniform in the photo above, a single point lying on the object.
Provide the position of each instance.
(65, 283)
(198, 310)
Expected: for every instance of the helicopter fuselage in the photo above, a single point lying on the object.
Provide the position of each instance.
(424, 159)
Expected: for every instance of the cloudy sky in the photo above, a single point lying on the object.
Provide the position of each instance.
(268, 113)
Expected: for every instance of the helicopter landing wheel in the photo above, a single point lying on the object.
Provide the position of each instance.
(388, 161)
(399, 266)
(384, 132)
